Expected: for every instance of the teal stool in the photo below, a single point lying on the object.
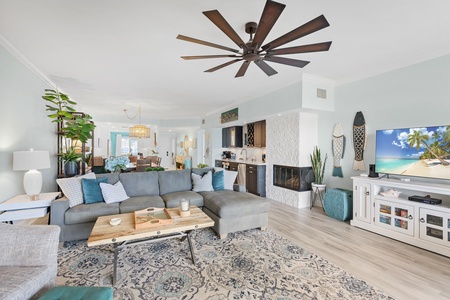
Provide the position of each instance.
(338, 204)
(78, 293)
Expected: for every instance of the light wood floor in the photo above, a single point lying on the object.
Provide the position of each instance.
(401, 270)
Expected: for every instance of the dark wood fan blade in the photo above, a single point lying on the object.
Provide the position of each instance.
(312, 26)
(223, 25)
(270, 15)
(287, 61)
(197, 41)
(301, 49)
(222, 65)
(206, 56)
(265, 67)
(242, 69)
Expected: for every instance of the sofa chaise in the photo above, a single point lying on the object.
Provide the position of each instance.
(231, 210)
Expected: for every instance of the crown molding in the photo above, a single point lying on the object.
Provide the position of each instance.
(24, 60)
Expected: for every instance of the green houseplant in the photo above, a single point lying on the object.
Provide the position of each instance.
(318, 166)
(70, 159)
(150, 169)
(74, 126)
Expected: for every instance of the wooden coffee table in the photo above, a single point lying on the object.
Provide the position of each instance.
(124, 234)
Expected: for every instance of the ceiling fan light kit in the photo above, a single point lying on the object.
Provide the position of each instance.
(254, 50)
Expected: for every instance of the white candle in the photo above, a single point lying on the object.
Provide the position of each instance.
(185, 205)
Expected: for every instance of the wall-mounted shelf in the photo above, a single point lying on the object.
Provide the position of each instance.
(61, 144)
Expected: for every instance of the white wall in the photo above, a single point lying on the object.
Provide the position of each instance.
(24, 124)
(417, 95)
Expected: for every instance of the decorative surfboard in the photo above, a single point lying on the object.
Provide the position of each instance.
(359, 141)
(338, 146)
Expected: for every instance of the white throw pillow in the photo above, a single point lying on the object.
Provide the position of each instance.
(202, 184)
(113, 193)
(71, 188)
(229, 177)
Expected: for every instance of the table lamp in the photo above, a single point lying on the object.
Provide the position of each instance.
(31, 161)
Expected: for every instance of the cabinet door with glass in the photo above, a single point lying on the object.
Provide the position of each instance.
(394, 216)
(361, 202)
(435, 226)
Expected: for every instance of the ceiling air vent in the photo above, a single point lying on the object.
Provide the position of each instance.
(321, 93)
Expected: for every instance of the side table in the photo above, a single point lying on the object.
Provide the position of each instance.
(22, 207)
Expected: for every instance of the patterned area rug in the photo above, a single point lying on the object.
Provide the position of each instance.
(252, 264)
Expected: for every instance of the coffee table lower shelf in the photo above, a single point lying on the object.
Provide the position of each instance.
(124, 234)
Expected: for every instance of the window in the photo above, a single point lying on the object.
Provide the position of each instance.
(129, 145)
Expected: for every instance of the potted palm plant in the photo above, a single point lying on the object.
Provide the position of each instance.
(318, 167)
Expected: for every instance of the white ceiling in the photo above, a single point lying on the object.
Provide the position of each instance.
(113, 54)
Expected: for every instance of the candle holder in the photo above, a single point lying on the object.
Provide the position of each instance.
(185, 208)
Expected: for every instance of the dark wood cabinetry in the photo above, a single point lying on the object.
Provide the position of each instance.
(256, 133)
(233, 166)
(255, 176)
(232, 137)
(255, 179)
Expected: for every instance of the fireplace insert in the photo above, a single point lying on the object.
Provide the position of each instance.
(293, 178)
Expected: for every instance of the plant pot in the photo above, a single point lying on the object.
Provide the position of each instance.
(318, 187)
(71, 168)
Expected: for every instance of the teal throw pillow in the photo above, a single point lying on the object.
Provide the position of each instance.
(92, 192)
(218, 181)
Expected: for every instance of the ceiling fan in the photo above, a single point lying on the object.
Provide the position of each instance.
(252, 51)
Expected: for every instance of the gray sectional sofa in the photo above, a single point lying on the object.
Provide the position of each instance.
(231, 210)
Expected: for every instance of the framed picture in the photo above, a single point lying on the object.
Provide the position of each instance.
(229, 116)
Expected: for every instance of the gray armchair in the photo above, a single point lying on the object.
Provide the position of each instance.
(28, 260)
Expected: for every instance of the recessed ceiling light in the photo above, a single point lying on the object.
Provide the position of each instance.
(278, 114)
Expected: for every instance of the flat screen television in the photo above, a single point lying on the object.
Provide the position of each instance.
(416, 151)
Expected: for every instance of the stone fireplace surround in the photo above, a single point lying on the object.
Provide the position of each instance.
(291, 137)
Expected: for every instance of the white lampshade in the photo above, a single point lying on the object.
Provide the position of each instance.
(31, 160)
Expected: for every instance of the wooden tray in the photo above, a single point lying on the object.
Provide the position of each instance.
(151, 217)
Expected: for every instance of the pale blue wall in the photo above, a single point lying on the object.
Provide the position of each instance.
(24, 124)
(418, 95)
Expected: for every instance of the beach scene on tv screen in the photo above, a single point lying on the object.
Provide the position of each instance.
(423, 151)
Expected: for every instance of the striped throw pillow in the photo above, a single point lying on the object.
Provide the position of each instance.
(71, 188)
(113, 193)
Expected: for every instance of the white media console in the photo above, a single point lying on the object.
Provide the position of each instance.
(419, 224)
